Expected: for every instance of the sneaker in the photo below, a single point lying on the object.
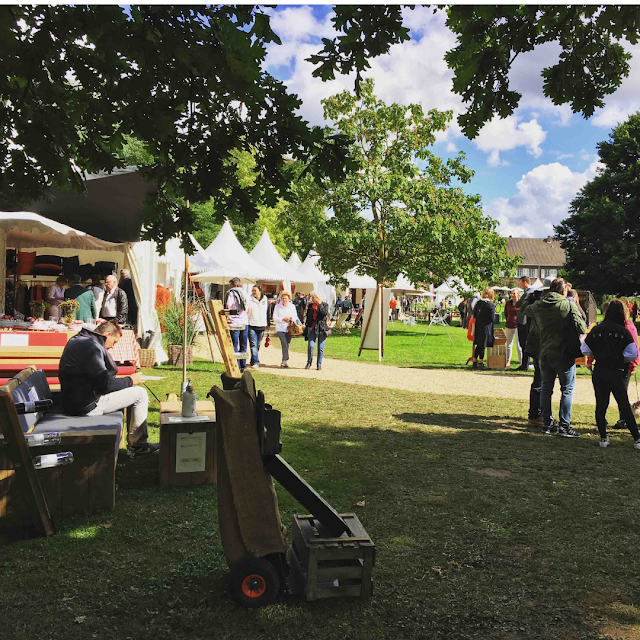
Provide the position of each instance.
(307, 366)
(144, 450)
(568, 432)
(636, 444)
(535, 421)
(284, 365)
(604, 442)
(319, 367)
(619, 425)
(481, 366)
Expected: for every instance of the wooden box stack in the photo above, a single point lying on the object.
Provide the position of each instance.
(497, 355)
(328, 567)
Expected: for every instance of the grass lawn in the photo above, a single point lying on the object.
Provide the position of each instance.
(403, 348)
(483, 528)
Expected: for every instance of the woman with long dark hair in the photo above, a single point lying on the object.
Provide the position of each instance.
(484, 312)
(316, 329)
(613, 347)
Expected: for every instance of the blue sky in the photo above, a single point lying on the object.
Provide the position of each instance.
(527, 167)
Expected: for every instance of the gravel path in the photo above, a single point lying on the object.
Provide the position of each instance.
(444, 381)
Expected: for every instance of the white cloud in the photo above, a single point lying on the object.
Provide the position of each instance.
(562, 156)
(543, 199)
(451, 148)
(505, 134)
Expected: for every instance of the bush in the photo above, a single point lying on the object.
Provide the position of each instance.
(172, 322)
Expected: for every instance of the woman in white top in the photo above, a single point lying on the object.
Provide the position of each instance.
(55, 295)
(258, 304)
(283, 314)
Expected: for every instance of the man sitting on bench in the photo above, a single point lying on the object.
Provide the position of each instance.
(89, 385)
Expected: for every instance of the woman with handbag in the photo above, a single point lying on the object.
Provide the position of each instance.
(484, 312)
(316, 329)
(287, 322)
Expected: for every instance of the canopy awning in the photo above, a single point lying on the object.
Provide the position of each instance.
(267, 255)
(109, 209)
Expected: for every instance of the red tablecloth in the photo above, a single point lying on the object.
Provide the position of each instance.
(127, 349)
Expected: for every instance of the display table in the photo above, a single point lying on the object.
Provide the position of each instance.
(187, 449)
(126, 350)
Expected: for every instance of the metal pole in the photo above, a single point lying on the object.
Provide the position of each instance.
(184, 332)
(380, 323)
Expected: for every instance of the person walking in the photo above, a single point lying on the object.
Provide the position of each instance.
(511, 325)
(284, 313)
(560, 325)
(238, 323)
(316, 329)
(484, 312)
(614, 348)
(87, 311)
(258, 305)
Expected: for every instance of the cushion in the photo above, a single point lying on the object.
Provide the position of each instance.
(26, 260)
(54, 421)
(35, 387)
(105, 268)
(47, 265)
(85, 271)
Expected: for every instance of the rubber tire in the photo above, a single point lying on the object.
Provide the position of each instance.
(262, 568)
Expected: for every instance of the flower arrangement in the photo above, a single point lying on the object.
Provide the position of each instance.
(68, 309)
(37, 308)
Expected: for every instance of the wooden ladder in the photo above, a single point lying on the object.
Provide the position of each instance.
(221, 327)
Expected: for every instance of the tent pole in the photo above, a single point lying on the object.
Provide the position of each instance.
(380, 323)
(184, 334)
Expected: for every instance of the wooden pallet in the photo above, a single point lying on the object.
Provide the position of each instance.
(229, 356)
(326, 567)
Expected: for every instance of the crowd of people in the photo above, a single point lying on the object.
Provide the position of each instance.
(114, 300)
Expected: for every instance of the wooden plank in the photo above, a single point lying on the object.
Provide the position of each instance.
(297, 572)
(165, 443)
(31, 352)
(340, 553)
(224, 338)
(340, 573)
(367, 571)
(347, 591)
(18, 452)
(175, 406)
(312, 574)
(299, 543)
(102, 477)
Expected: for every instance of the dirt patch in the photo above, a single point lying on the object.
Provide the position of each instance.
(516, 551)
(619, 632)
(492, 473)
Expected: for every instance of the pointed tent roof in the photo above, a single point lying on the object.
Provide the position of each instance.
(265, 253)
(454, 285)
(233, 259)
(310, 268)
(360, 282)
(294, 261)
(403, 285)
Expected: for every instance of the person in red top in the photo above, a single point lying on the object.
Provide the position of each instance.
(316, 328)
(511, 327)
(393, 305)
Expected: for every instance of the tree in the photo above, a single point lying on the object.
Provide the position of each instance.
(402, 211)
(602, 232)
(591, 64)
(188, 83)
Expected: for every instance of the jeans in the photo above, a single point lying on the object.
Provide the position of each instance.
(255, 340)
(239, 339)
(511, 334)
(311, 337)
(605, 383)
(534, 394)
(566, 374)
(138, 400)
(285, 339)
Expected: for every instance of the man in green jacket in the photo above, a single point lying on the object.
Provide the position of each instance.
(87, 301)
(560, 326)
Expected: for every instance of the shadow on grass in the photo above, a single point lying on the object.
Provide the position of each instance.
(466, 422)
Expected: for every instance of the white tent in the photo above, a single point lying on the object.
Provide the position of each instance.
(266, 254)
(360, 282)
(294, 261)
(404, 286)
(30, 231)
(451, 288)
(232, 260)
(320, 280)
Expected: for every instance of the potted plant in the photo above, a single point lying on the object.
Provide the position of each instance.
(37, 308)
(171, 318)
(68, 310)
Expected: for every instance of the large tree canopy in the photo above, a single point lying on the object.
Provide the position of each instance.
(402, 210)
(189, 84)
(602, 233)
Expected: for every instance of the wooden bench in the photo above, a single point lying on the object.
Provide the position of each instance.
(31, 500)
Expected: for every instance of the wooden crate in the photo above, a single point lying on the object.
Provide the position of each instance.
(169, 476)
(326, 567)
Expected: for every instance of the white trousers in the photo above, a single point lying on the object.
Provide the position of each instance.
(137, 399)
(511, 334)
